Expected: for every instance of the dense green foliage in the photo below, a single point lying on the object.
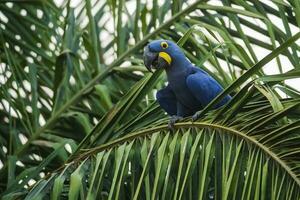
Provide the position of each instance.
(78, 117)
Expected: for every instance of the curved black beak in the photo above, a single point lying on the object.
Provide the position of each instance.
(149, 58)
(156, 60)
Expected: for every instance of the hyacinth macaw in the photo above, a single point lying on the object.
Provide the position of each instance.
(189, 88)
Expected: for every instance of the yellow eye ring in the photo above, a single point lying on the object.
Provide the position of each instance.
(164, 45)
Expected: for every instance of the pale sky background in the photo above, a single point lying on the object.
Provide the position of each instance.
(105, 37)
(270, 68)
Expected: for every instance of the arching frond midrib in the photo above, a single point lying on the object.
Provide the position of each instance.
(214, 126)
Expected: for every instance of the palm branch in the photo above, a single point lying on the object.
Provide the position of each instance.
(79, 117)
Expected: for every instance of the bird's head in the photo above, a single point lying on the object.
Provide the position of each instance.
(162, 54)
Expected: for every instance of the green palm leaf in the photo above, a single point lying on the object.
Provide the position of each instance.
(78, 117)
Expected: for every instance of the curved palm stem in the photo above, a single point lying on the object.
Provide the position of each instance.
(214, 126)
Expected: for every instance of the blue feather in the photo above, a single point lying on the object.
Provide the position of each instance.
(205, 88)
(189, 88)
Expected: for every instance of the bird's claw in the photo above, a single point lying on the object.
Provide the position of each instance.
(173, 120)
(195, 117)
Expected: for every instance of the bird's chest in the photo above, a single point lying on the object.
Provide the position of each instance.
(182, 92)
(179, 87)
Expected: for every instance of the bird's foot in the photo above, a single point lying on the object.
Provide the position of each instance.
(173, 120)
(195, 116)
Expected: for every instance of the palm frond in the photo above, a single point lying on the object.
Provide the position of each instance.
(77, 104)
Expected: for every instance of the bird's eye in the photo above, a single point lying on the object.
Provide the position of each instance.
(164, 45)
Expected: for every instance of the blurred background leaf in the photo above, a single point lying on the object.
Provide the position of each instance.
(74, 91)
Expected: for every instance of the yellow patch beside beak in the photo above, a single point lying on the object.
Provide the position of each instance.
(165, 56)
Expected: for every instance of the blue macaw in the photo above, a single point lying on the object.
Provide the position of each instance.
(189, 88)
